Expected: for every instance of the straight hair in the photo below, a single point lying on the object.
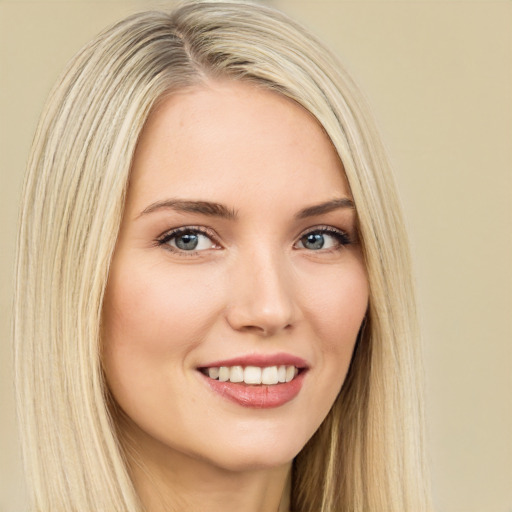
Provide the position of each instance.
(368, 454)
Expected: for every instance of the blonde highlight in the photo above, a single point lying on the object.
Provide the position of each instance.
(368, 454)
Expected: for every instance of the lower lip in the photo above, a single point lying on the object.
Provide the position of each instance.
(258, 396)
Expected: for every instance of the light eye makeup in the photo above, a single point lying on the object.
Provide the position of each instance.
(188, 240)
(323, 238)
(191, 240)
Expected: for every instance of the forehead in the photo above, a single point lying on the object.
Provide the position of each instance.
(225, 141)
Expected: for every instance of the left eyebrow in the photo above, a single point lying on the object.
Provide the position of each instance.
(201, 207)
(328, 206)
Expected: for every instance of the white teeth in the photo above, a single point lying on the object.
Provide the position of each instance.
(252, 375)
(236, 374)
(224, 373)
(213, 373)
(290, 373)
(269, 375)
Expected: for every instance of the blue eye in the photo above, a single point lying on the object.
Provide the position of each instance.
(187, 240)
(323, 238)
(313, 241)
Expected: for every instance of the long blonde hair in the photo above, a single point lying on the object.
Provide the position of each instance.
(368, 454)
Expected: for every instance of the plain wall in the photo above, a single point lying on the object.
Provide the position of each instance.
(439, 76)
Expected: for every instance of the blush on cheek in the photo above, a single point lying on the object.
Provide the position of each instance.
(339, 309)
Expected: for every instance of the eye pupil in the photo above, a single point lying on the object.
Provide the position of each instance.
(313, 241)
(187, 241)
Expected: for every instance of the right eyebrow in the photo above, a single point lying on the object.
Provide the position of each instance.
(328, 206)
(202, 207)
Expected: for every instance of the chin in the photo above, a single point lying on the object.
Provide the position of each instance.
(252, 461)
(265, 452)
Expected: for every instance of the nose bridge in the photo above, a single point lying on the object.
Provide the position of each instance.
(262, 298)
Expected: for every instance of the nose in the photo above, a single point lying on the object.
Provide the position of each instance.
(261, 295)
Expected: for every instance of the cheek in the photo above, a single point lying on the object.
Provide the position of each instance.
(336, 312)
(152, 319)
(337, 308)
(157, 308)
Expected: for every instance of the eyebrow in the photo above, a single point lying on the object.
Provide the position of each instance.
(328, 206)
(202, 207)
(213, 209)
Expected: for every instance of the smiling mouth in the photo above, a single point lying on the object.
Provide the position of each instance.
(253, 375)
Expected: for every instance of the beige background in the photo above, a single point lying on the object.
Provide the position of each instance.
(439, 75)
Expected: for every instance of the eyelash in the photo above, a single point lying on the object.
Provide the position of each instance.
(164, 239)
(343, 239)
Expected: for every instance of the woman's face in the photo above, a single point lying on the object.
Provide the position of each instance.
(237, 268)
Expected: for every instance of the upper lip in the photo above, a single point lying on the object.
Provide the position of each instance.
(261, 360)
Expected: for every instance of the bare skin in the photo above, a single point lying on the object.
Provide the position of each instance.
(201, 487)
(238, 244)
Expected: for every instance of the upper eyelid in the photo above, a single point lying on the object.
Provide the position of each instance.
(323, 227)
(181, 229)
(344, 237)
(168, 235)
(210, 233)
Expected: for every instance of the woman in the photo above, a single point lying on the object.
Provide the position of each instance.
(214, 308)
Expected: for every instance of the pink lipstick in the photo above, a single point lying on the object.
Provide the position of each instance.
(257, 380)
